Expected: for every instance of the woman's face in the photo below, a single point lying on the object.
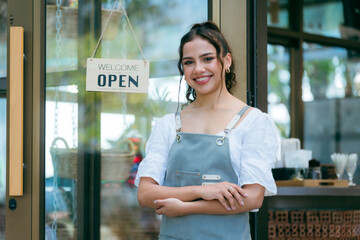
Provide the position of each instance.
(202, 69)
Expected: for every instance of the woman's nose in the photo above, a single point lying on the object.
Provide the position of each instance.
(199, 68)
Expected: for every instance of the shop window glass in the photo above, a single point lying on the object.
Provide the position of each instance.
(278, 13)
(126, 119)
(279, 87)
(339, 19)
(331, 95)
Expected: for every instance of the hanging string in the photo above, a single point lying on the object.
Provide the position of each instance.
(133, 32)
(102, 34)
(131, 28)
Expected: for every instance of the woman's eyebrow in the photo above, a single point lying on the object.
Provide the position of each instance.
(202, 55)
(206, 54)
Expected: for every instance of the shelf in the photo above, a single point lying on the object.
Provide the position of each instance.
(318, 191)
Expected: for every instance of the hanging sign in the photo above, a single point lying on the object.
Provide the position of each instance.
(114, 75)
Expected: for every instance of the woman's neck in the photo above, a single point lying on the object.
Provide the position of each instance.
(214, 101)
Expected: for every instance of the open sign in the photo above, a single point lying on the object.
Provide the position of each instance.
(114, 75)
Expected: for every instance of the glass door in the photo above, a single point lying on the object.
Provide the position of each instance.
(94, 141)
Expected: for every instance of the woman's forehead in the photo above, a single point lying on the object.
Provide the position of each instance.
(198, 46)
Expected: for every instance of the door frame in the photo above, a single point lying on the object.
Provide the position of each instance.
(28, 215)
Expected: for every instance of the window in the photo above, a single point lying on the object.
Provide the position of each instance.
(278, 13)
(323, 72)
(279, 87)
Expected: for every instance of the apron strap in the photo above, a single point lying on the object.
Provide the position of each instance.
(235, 120)
(231, 125)
(178, 122)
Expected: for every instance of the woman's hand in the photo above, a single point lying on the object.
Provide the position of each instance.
(226, 193)
(171, 207)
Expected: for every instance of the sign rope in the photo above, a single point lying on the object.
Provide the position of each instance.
(131, 28)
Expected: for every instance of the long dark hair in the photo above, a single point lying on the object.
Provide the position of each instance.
(210, 32)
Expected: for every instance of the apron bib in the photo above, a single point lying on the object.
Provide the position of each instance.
(199, 159)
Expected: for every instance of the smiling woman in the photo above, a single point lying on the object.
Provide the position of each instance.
(207, 166)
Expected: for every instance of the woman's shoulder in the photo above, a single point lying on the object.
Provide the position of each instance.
(166, 122)
(257, 119)
(257, 115)
(167, 119)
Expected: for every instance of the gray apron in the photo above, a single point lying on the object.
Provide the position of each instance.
(198, 159)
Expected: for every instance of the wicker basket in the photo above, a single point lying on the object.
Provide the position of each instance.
(115, 164)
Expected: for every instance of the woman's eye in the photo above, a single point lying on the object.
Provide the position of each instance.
(187, 62)
(208, 59)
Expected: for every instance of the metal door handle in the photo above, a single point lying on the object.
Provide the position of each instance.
(16, 110)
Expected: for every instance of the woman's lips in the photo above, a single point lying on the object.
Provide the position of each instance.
(202, 79)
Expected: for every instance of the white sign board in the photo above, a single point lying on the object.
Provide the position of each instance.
(114, 75)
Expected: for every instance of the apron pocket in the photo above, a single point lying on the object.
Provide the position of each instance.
(187, 178)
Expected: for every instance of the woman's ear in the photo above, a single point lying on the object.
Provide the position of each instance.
(227, 61)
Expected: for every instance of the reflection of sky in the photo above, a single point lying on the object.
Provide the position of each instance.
(324, 18)
(317, 52)
(113, 126)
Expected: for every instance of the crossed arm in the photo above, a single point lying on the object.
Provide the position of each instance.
(220, 198)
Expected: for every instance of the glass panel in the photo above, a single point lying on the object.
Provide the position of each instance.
(125, 119)
(61, 120)
(279, 87)
(278, 13)
(331, 94)
(61, 36)
(338, 19)
(3, 128)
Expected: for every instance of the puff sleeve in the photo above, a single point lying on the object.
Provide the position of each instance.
(258, 155)
(157, 150)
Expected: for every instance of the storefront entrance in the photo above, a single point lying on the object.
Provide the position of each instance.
(81, 149)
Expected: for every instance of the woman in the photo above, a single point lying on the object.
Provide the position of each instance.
(209, 165)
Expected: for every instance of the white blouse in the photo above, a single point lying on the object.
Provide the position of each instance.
(253, 148)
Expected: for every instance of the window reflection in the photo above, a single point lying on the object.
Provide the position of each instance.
(278, 13)
(331, 101)
(279, 87)
(126, 119)
(330, 72)
(339, 19)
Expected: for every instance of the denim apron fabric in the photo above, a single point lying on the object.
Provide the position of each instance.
(199, 159)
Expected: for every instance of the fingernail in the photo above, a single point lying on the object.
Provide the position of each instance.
(242, 203)
(245, 195)
(229, 209)
(155, 202)
(234, 208)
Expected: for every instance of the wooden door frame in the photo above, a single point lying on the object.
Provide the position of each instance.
(27, 220)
